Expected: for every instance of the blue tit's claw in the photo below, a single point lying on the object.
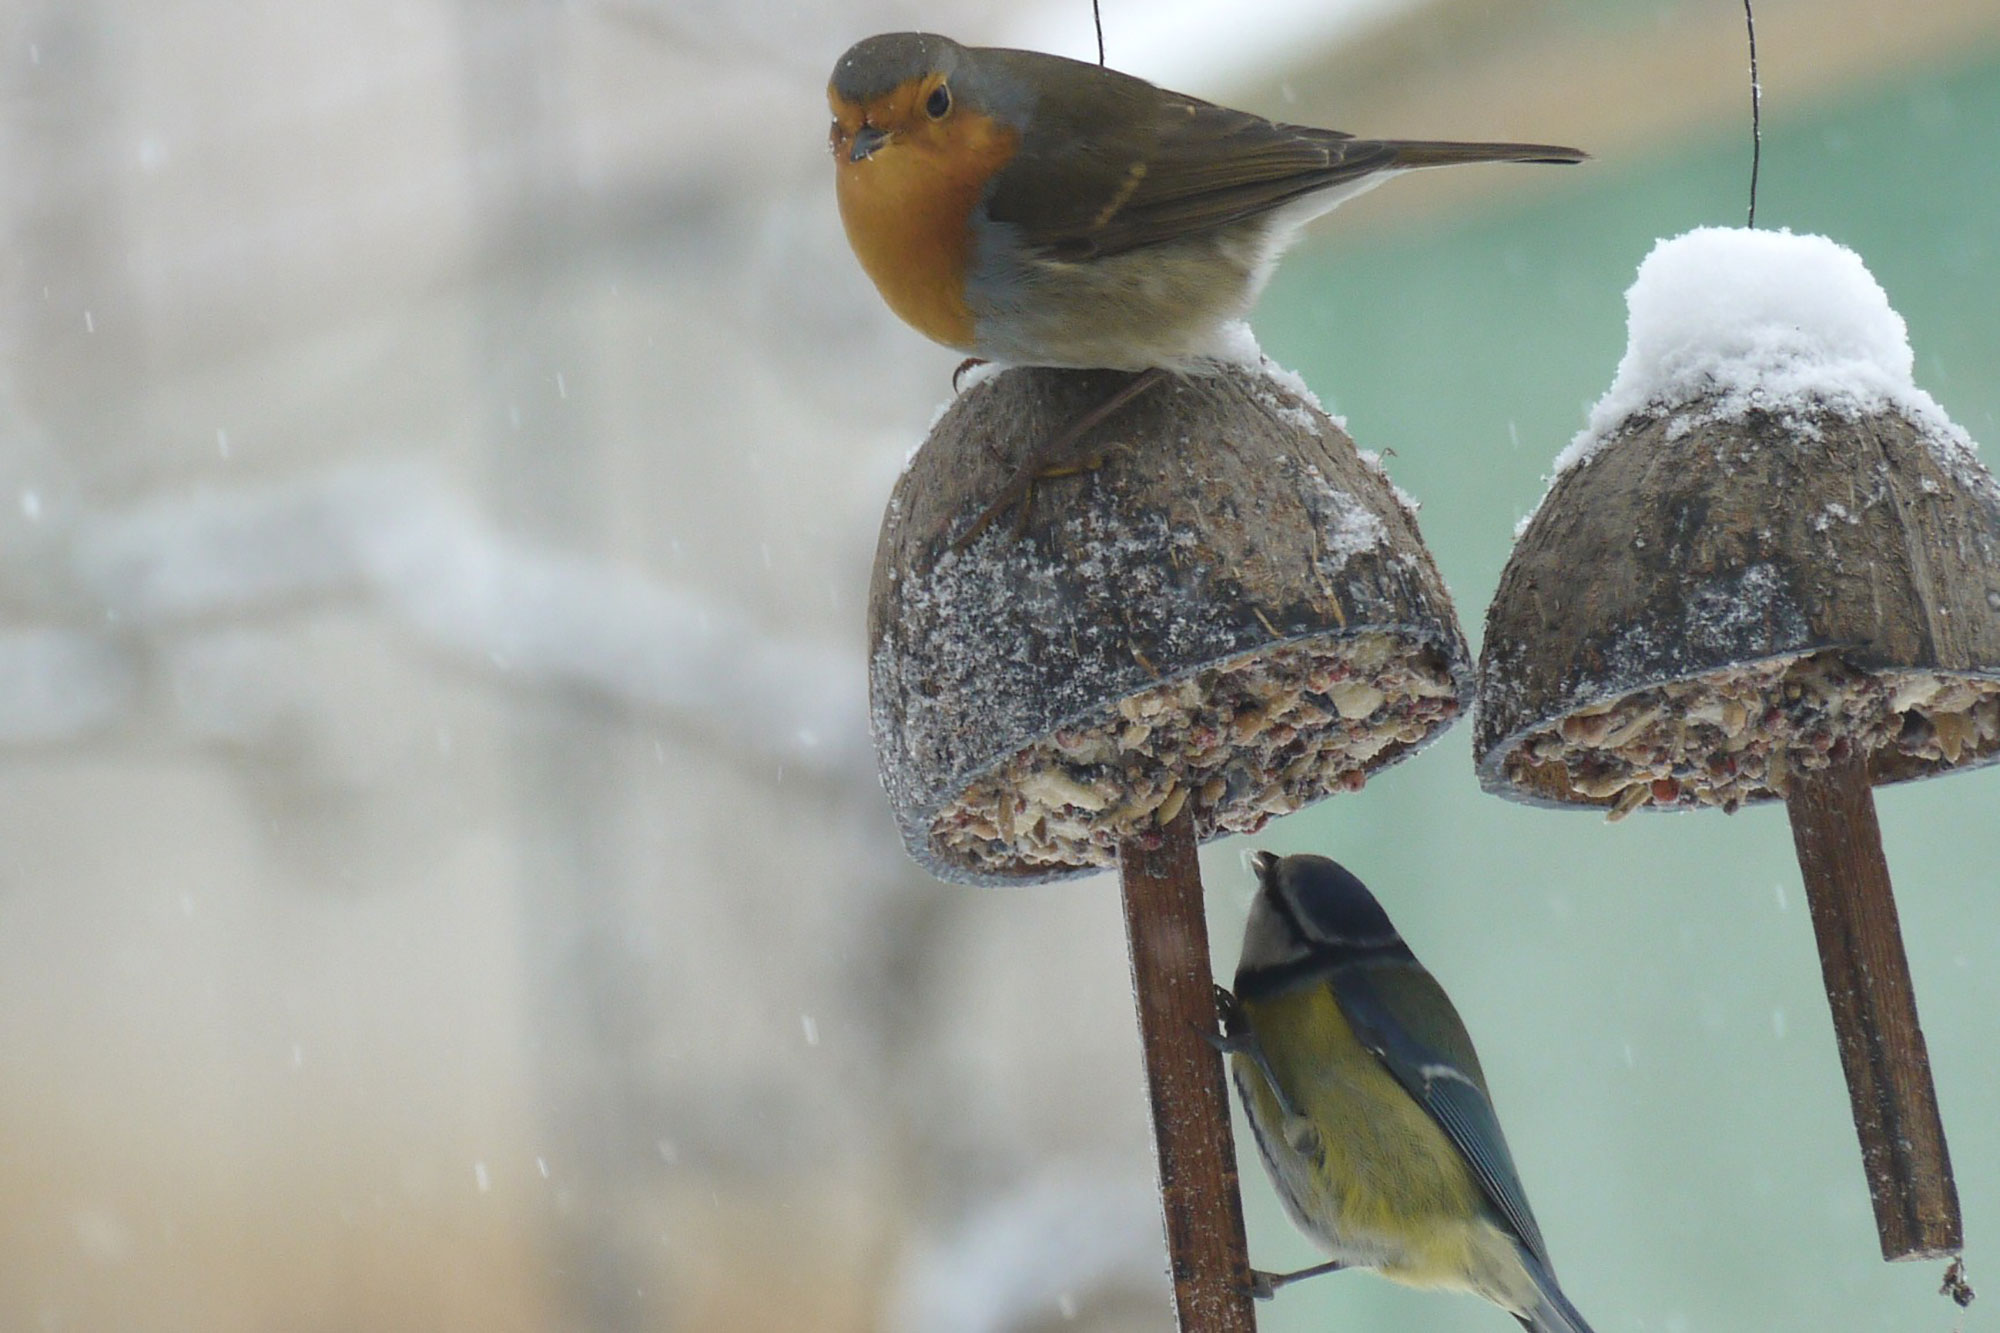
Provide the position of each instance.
(1230, 1014)
(1265, 1285)
(1234, 1038)
(1229, 1043)
(1238, 1038)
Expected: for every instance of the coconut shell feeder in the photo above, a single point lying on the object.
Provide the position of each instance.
(1226, 618)
(1771, 571)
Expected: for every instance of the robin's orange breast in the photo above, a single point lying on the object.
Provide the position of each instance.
(908, 213)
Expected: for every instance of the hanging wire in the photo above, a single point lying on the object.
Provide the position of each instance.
(1756, 106)
(1097, 17)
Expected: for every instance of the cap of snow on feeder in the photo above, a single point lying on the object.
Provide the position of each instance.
(1232, 615)
(1768, 550)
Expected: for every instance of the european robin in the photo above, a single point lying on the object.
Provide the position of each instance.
(1025, 208)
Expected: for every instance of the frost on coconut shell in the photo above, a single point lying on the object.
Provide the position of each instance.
(1233, 616)
(1768, 567)
(1766, 592)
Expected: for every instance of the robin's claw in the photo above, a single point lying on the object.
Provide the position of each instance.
(1019, 492)
(1059, 457)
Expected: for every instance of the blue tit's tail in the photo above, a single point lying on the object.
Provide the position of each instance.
(1552, 1313)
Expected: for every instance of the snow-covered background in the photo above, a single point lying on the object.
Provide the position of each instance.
(443, 881)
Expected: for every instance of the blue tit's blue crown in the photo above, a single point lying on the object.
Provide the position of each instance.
(1330, 906)
(1311, 917)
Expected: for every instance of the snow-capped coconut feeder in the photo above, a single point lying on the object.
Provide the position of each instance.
(1229, 617)
(1769, 568)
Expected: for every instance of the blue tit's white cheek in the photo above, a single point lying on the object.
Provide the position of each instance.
(1268, 939)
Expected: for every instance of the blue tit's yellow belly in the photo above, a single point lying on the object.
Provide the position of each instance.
(1364, 1170)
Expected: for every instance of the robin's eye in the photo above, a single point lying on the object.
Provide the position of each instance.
(938, 103)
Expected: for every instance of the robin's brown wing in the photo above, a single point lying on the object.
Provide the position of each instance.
(1115, 164)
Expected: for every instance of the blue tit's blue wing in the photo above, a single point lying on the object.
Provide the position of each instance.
(1399, 1012)
(1553, 1312)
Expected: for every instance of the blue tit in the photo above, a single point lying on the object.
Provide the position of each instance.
(1368, 1103)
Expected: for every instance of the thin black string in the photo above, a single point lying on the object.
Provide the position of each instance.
(1756, 110)
(1097, 17)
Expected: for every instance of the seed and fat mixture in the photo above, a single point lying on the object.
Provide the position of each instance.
(1733, 736)
(1259, 736)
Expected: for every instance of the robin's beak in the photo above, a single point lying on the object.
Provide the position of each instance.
(867, 141)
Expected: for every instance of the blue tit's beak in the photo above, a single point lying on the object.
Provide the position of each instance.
(1265, 864)
(867, 142)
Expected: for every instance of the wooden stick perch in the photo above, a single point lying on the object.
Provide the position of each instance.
(1186, 1090)
(1874, 1005)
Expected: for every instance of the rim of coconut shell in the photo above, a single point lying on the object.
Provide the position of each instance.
(919, 838)
(1492, 766)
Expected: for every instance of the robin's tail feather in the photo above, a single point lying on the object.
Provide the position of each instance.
(1413, 153)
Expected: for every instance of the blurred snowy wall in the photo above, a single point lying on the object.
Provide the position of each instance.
(443, 883)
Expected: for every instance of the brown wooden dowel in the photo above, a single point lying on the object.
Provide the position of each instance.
(1874, 1005)
(1189, 1097)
